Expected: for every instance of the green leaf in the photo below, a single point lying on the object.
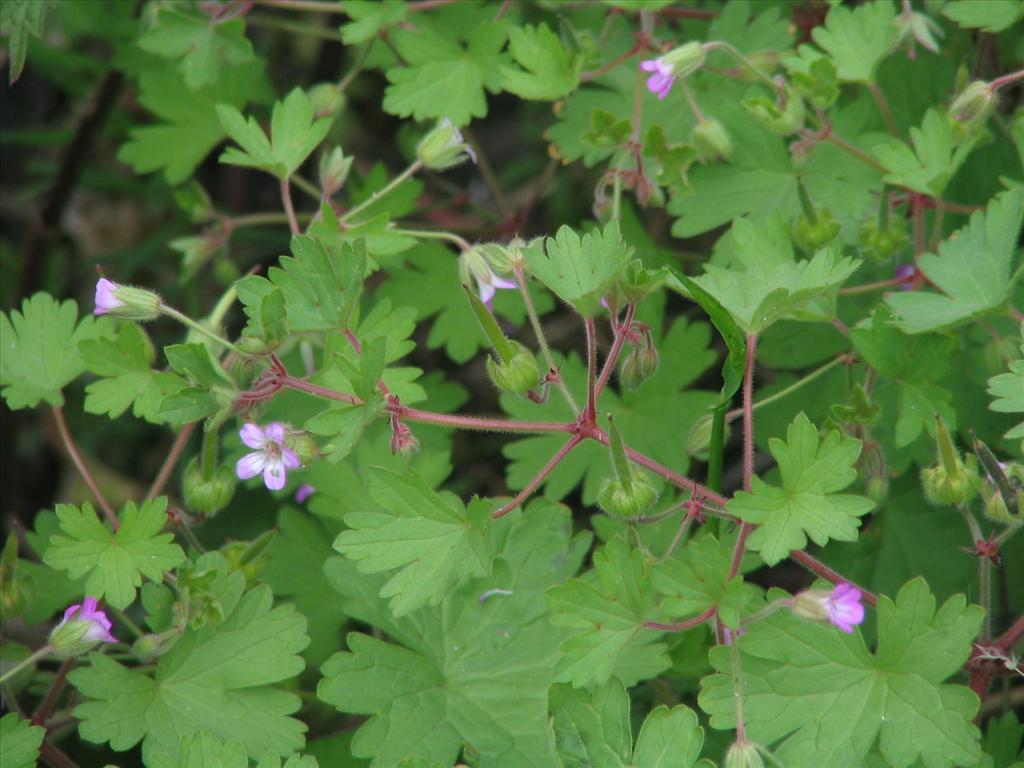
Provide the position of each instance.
(546, 71)
(1003, 738)
(128, 378)
(1008, 391)
(215, 679)
(369, 18)
(917, 363)
(580, 271)
(200, 750)
(294, 134)
(735, 341)
(807, 503)
(592, 730)
(934, 159)
(344, 425)
(114, 562)
(19, 19)
(298, 552)
(475, 671)
(990, 16)
(434, 541)
(697, 578)
(764, 282)
(608, 607)
(40, 350)
(858, 38)
(19, 742)
(972, 269)
(190, 127)
(840, 701)
(447, 67)
(203, 44)
(195, 362)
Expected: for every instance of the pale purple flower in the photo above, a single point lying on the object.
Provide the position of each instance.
(488, 284)
(99, 624)
(905, 273)
(106, 298)
(270, 455)
(844, 607)
(303, 492)
(662, 79)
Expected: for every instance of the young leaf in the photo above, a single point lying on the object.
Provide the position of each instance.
(434, 541)
(917, 363)
(294, 134)
(19, 19)
(765, 282)
(215, 679)
(547, 71)
(19, 742)
(40, 350)
(114, 562)
(840, 701)
(991, 16)
(1008, 391)
(607, 607)
(128, 380)
(934, 159)
(972, 269)
(580, 271)
(807, 503)
(368, 18)
(858, 38)
(475, 671)
(203, 44)
(448, 67)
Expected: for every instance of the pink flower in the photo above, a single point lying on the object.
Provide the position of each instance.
(270, 455)
(906, 274)
(487, 288)
(99, 629)
(659, 83)
(844, 607)
(106, 297)
(303, 492)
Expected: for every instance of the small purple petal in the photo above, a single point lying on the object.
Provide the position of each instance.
(70, 612)
(106, 298)
(274, 474)
(500, 282)
(844, 607)
(276, 432)
(303, 492)
(252, 436)
(486, 291)
(651, 65)
(290, 458)
(250, 465)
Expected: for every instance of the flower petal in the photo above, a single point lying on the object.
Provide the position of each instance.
(651, 65)
(274, 474)
(250, 465)
(290, 458)
(486, 291)
(252, 436)
(275, 431)
(500, 282)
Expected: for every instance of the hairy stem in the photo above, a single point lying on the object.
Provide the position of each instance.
(736, 413)
(69, 446)
(590, 410)
(748, 450)
(817, 567)
(289, 209)
(390, 186)
(532, 486)
(883, 107)
(180, 441)
(32, 658)
(621, 331)
(680, 626)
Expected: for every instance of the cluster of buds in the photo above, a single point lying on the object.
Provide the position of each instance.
(403, 441)
(642, 360)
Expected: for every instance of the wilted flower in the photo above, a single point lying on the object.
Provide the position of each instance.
(82, 629)
(841, 607)
(270, 455)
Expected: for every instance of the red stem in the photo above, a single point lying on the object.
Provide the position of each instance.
(53, 692)
(480, 423)
(289, 209)
(590, 411)
(679, 626)
(585, 76)
(180, 441)
(69, 446)
(539, 477)
(354, 341)
(748, 450)
(1012, 636)
(816, 566)
(621, 331)
(682, 481)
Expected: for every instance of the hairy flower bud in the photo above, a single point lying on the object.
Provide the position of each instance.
(686, 59)
(82, 629)
(952, 481)
(783, 116)
(15, 594)
(743, 754)
(333, 170)
(619, 499)
(638, 366)
(149, 647)
(444, 147)
(327, 100)
(126, 302)
(518, 374)
(699, 440)
(813, 236)
(712, 140)
(303, 445)
(207, 496)
(974, 104)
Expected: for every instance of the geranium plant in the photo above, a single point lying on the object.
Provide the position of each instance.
(499, 384)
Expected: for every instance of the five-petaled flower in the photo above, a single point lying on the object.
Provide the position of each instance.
(106, 297)
(662, 79)
(81, 629)
(270, 455)
(841, 607)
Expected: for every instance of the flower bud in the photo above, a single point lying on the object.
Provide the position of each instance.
(783, 116)
(699, 439)
(207, 496)
(974, 104)
(841, 607)
(249, 557)
(327, 100)
(15, 594)
(333, 170)
(82, 629)
(149, 647)
(813, 236)
(712, 140)
(302, 445)
(126, 302)
(686, 59)
(444, 147)
(743, 754)
(953, 481)
(518, 374)
(995, 508)
(627, 501)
